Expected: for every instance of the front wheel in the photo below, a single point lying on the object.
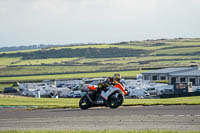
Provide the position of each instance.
(84, 103)
(115, 100)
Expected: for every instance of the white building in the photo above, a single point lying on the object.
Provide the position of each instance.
(175, 75)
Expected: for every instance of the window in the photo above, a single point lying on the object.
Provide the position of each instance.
(193, 81)
(154, 77)
(182, 79)
(181, 85)
(162, 78)
(173, 79)
(146, 77)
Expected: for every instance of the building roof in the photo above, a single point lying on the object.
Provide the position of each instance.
(188, 73)
(170, 70)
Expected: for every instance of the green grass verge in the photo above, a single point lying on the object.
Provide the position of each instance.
(47, 103)
(195, 100)
(71, 76)
(105, 131)
(73, 102)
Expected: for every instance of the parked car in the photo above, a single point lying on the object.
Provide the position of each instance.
(138, 93)
(77, 95)
(9, 90)
(70, 95)
(165, 91)
(151, 91)
(198, 90)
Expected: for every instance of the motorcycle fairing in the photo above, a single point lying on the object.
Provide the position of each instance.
(106, 94)
(121, 88)
(92, 87)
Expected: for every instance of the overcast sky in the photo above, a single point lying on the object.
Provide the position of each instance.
(27, 22)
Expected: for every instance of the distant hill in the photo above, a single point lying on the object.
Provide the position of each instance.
(161, 47)
(83, 52)
(31, 47)
(80, 58)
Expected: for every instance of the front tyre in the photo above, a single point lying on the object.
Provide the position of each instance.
(115, 100)
(84, 103)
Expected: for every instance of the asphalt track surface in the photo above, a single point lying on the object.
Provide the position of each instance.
(176, 117)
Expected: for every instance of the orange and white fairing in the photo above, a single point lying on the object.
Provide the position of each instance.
(92, 87)
(121, 88)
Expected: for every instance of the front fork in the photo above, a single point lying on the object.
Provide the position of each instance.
(90, 99)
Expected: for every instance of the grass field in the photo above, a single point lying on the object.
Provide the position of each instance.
(172, 63)
(21, 51)
(88, 64)
(45, 69)
(119, 60)
(104, 131)
(8, 61)
(45, 61)
(129, 46)
(71, 76)
(184, 43)
(73, 102)
(177, 51)
(17, 66)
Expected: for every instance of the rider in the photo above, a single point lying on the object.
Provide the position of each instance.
(110, 81)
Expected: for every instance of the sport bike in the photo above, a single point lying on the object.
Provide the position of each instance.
(112, 96)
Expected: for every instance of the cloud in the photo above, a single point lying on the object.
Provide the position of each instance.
(196, 2)
(114, 8)
(84, 20)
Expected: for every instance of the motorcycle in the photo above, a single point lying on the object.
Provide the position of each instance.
(112, 96)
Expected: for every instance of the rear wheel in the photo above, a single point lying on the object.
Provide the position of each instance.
(115, 100)
(84, 103)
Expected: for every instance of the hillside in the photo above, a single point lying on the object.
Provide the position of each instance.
(79, 52)
(133, 55)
